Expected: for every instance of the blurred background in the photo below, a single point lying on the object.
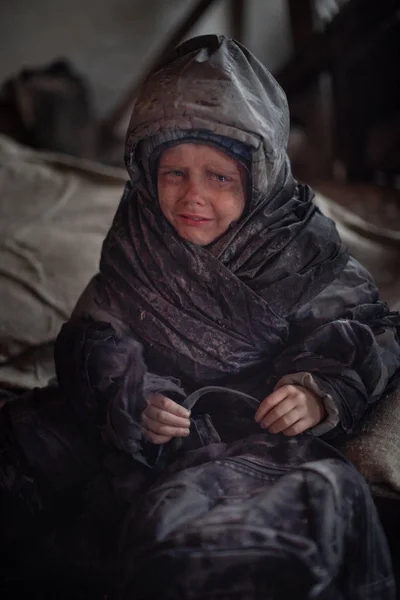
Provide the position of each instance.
(336, 59)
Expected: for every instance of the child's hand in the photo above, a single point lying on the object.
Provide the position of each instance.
(290, 409)
(164, 419)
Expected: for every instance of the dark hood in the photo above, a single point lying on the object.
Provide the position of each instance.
(215, 84)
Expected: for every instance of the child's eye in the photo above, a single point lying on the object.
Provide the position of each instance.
(220, 178)
(171, 173)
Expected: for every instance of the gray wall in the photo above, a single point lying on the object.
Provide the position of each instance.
(113, 41)
(268, 32)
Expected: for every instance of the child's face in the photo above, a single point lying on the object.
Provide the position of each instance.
(201, 191)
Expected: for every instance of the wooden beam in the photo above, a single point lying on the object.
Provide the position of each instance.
(238, 16)
(356, 20)
(301, 21)
(305, 65)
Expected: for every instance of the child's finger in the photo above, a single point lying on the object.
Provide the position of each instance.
(167, 418)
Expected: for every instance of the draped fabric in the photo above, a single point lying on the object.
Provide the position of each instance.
(277, 294)
(221, 310)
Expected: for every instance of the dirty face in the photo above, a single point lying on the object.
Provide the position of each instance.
(201, 191)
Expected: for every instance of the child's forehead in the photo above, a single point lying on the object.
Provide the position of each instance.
(199, 154)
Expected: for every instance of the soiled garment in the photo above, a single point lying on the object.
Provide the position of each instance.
(235, 512)
(277, 294)
(263, 517)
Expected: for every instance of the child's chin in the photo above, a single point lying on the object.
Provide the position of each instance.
(198, 239)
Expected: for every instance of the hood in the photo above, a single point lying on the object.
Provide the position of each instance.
(213, 83)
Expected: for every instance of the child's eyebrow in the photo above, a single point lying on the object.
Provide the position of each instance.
(171, 167)
(219, 167)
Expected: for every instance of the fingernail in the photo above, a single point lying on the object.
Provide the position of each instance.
(187, 432)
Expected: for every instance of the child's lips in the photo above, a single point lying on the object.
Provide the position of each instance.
(193, 220)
